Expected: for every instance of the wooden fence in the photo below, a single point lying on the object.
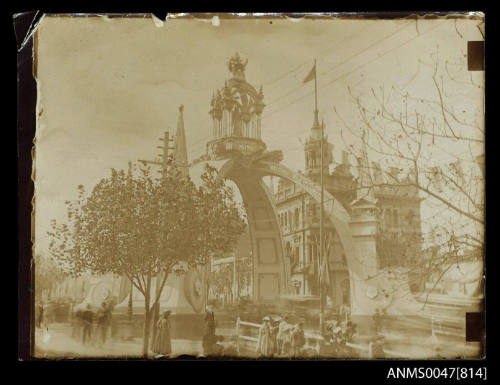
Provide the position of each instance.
(313, 341)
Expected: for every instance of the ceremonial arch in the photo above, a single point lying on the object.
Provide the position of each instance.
(237, 151)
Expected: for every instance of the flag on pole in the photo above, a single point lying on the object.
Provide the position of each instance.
(312, 74)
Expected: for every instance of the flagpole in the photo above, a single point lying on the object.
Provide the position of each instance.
(321, 299)
(315, 90)
(309, 77)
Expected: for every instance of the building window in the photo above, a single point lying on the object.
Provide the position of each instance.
(387, 217)
(411, 219)
(297, 217)
(395, 218)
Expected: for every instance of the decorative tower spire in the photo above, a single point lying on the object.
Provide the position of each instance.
(365, 176)
(180, 152)
(236, 66)
(236, 112)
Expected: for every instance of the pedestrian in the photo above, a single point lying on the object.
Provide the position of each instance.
(280, 337)
(103, 321)
(87, 319)
(298, 339)
(209, 321)
(163, 345)
(286, 347)
(274, 335)
(264, 345)
(209, 339)
(77, 323)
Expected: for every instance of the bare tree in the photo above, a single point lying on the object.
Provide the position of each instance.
(430, 144)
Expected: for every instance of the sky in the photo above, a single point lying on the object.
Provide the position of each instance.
(109, 87)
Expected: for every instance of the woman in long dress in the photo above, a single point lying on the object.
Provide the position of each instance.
(162, 343)
(264, 345)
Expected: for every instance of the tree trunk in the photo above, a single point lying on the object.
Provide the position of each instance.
(155, 317)
(145, 342)
(147, 323)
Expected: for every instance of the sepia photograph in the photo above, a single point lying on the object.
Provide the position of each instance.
(258, 187)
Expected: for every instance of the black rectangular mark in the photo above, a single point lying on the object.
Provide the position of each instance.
(474, 327)
(475, 55)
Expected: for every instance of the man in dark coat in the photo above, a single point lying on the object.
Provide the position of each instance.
(209, 338)
(298, 339)
(87, 319)
(209, 321)
(103, 321)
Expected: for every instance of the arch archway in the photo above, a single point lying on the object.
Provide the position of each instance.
(269, 275)
(370, 287)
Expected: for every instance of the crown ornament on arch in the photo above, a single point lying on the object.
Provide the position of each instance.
(236, 66)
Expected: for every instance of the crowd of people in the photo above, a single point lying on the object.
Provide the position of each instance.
(337, 334)
(279, 337)
(92, 326)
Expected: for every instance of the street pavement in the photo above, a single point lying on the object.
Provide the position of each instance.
(55, 341)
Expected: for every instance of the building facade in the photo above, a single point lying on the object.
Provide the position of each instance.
(398, 216)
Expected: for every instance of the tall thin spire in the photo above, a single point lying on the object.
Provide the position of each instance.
(180, 152)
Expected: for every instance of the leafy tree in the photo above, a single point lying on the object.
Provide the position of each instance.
(141, 226)
(221, 220)
(48, 274)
